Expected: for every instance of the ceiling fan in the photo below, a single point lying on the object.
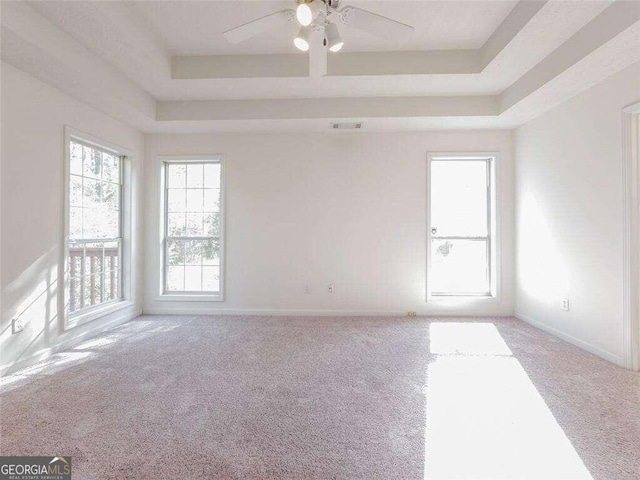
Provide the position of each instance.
(319, 31)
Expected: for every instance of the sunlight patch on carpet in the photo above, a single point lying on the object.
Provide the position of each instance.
(484, 417)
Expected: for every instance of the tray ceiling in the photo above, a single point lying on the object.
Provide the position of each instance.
(163, 66)
(194, 28)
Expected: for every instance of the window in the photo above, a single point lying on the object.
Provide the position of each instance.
(193, 227)
(95, 226)
(461, 223)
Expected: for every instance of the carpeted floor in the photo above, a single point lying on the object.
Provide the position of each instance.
(326, 398)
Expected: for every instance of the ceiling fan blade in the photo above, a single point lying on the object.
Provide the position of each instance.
(261, 25)
(375, 24)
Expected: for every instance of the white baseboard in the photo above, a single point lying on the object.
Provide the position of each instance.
(185, 309)
(44, 353)
(161, 310)
(606, 355)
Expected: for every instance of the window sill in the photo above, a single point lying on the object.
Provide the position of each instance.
(173, 297)
(463, 298)
(95, 314)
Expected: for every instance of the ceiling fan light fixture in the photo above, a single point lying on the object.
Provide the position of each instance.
(334, 40)
(306, 11)
(302, 39)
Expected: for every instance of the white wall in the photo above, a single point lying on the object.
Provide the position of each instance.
(342, 208)
(569, 220)
(33, 119)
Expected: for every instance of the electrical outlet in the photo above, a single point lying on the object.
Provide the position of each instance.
(307, 289)
(16, 326)
(330, 288)
(411, 314)
(564, 304)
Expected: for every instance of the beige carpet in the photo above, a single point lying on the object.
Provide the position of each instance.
(326, 398)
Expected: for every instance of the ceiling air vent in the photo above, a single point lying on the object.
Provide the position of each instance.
(346, 125)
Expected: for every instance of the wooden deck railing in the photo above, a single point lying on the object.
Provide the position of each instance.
(95, 278)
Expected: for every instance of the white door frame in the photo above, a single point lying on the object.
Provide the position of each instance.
(631, 260)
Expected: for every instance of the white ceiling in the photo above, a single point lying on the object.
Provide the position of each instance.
(164, 66)
(195, 27)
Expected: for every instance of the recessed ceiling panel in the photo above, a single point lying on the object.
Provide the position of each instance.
(195, 27)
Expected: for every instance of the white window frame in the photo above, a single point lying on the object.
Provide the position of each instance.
(125, 264)
(493, 240)
(166, 160)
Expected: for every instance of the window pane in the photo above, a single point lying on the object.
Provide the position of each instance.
(211, 279)
(86, 291)
(75, 191)
(195, 225)
(459, 266)
(92, 160)
(177, 177)
(109, 293)
(195, 175)
(111, 195)
(176, 200)
(112, 271)
(75, 150)
(194, 200)
(75, 294)
(111, 252)
(193, 279)
(176, 224)
(76, 253)
(115, 259)
(93, 253)
(212, 224)
(175, 279)
(111, 224)
(193, 252)
(92, 274)
(211, 252)
(459, 198)
(75, 222)
(212, 200)
(212, 175)
(175, 252)
(92, 193)
(99, 223)
(110, 168)
(116, 286)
